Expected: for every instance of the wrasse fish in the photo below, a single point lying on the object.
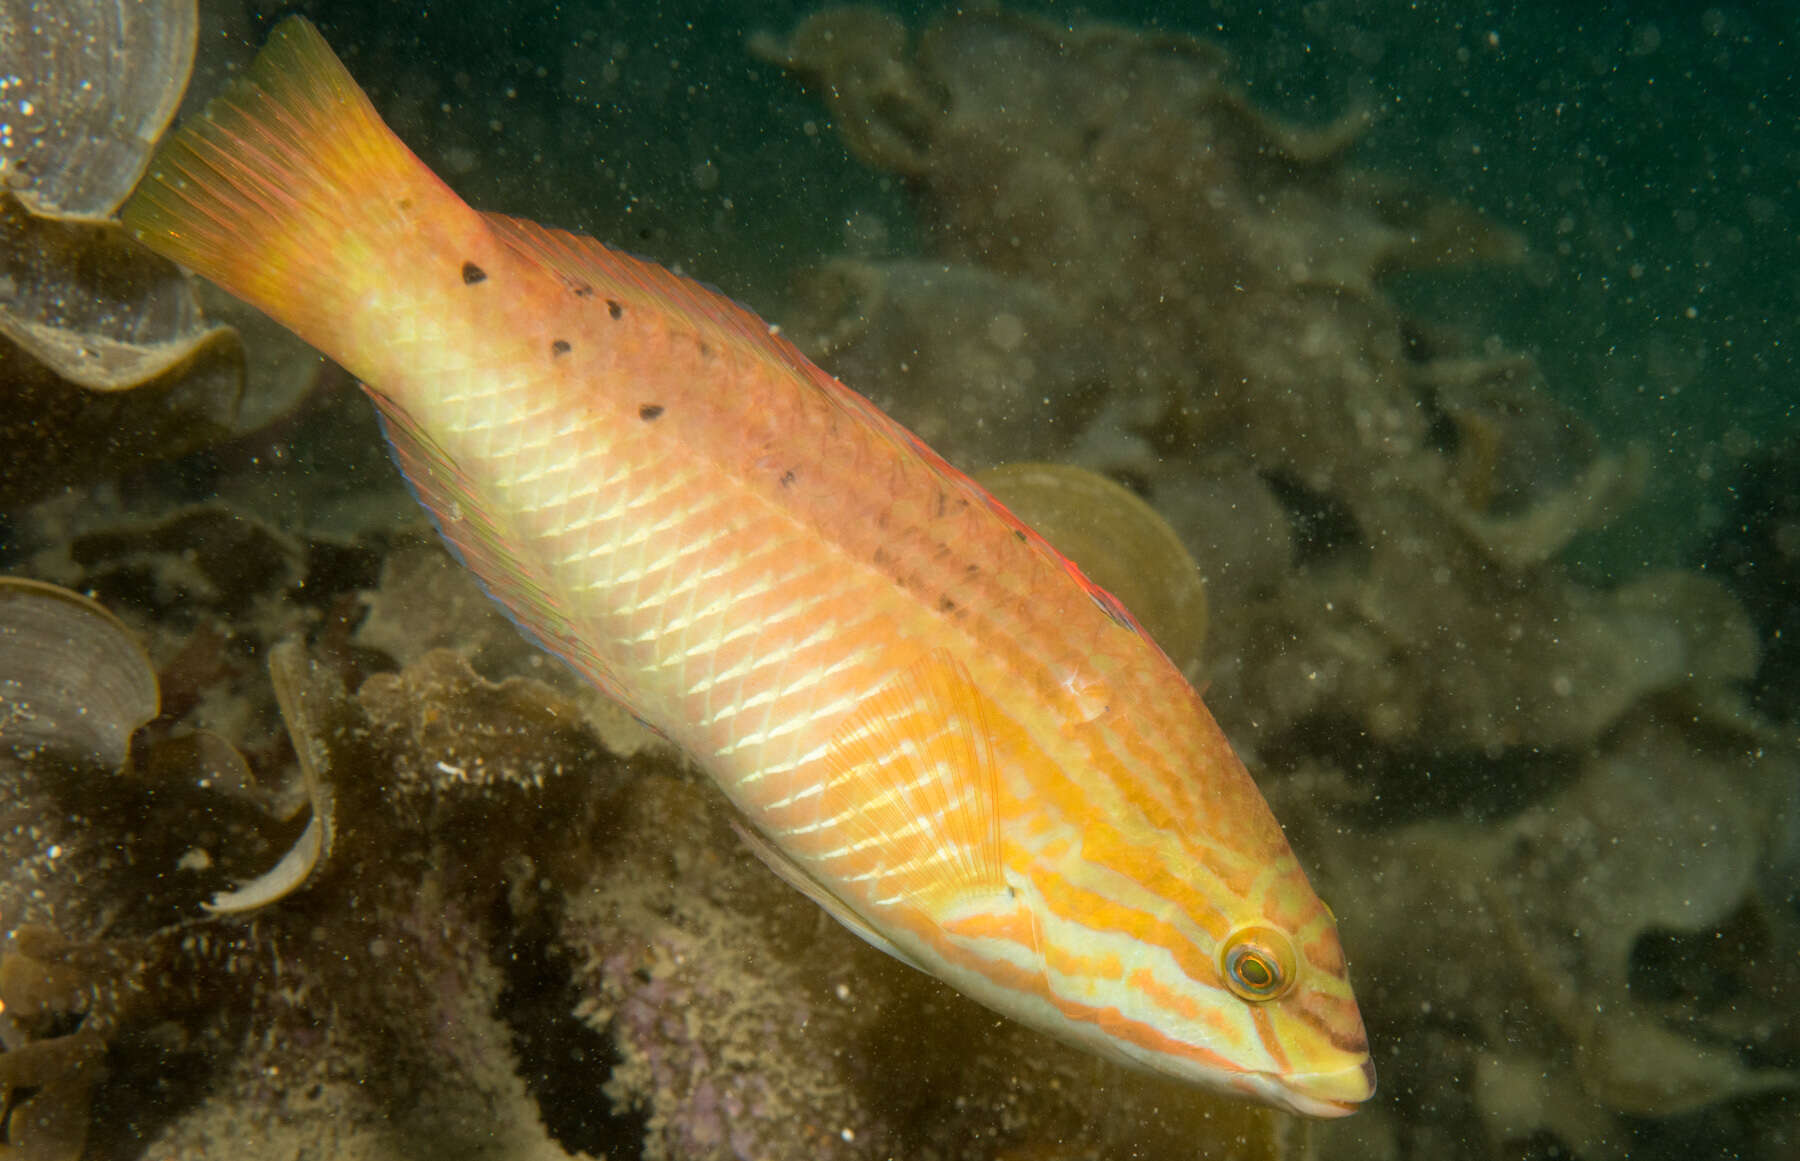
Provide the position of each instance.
(931, 722)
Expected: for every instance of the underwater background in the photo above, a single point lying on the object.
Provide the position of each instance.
(1456, 344)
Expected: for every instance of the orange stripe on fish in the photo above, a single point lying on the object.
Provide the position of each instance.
(1103, 913)
(1265, 1033)
(929, 721)
(1185, 1006)
(1126, 1030)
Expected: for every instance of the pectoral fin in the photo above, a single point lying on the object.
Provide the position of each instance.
(911, 796)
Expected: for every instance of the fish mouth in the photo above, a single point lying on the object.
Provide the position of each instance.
(1329, 1094)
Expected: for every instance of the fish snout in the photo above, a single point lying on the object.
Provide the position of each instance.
(1327, 1094)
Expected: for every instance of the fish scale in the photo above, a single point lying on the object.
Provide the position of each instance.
(928, 721)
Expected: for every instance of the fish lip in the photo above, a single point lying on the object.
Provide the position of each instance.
(1337, 1093)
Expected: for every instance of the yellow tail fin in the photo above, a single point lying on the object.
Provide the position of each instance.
(289, 190)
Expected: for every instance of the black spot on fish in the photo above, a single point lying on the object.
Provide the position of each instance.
(404, 205)
(473, 273)
(649, 411)
(705, 349)
(613, 308)
(559, 347)
(946, 605)
(787, 479)
(973, 568)
(583, 290)
(1018, 534)
(943, 503)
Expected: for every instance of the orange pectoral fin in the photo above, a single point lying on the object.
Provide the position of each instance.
(911, 798)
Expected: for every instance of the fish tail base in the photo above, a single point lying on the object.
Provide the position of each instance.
(289, 190)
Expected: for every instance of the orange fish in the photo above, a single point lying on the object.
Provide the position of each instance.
(931, 722)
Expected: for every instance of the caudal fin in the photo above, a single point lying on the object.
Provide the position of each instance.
(289, 190)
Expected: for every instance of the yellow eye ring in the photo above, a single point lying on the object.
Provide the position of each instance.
(1257, 963)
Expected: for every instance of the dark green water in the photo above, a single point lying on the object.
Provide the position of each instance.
(1650, 154)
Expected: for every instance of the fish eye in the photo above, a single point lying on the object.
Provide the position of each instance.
(1257, 963)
